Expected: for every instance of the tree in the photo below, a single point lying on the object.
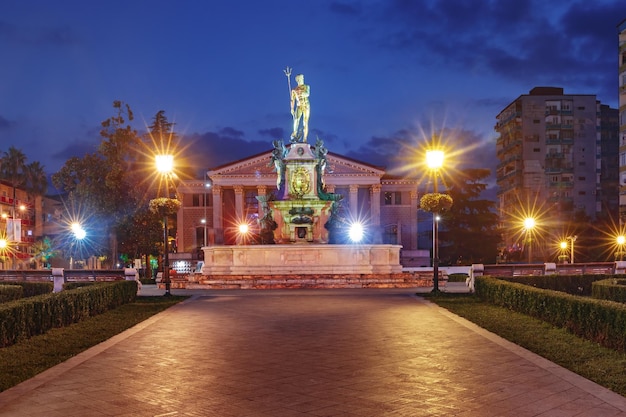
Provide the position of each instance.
(13, 165)
(141, 236)
(36, 179)
(106, 183)
(43, 251)
(469, 232)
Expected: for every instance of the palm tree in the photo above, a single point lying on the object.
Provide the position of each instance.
(36, 179)
(13, 164)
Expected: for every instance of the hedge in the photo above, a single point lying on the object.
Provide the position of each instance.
(27, 317)
(571, 284)
(610, 289)
(600, 321)
(32, 289)
(10, 293)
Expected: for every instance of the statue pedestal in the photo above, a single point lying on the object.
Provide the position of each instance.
(300, 221)
(256, 260)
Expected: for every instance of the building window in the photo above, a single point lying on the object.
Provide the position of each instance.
(393, 198)
(251, 201)
(536, 149)
(198, 200)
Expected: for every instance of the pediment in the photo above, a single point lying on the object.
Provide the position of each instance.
(260, 167)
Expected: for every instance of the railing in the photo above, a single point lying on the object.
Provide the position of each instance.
(71, 275)
(512, 270)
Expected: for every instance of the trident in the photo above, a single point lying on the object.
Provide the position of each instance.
(287, 72)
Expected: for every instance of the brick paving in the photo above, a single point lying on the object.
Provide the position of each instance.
(308, 353)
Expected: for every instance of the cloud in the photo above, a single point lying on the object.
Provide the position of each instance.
(213, 149)
(399, 153)
(526, 41)
(273, 133)
(345, 9)
(6, 124)
(76, 148)
(60, 35)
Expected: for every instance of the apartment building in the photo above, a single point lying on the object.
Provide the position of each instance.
(550, 157)
(621, 28)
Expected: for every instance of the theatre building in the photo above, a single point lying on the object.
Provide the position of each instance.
(214, 207)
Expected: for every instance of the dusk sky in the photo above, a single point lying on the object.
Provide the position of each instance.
(383, 74)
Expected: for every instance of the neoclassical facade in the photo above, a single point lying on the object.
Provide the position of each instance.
(213, 208)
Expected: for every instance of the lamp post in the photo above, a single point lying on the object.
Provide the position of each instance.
(4, 245)
(562, 255)
(79, 234)
(207, 185)
(434, 160)
(571, 249)
(529, 224)
(621, 239)
(165, 165)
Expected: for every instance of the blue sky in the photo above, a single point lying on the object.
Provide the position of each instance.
(383, 74)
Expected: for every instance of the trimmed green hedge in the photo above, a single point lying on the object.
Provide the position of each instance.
(32, 289)
(600, 321)
(27, 317)
(10, 293)
(571, 284)
(613, 289)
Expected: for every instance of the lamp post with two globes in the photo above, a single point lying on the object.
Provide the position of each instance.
(434, 161)
(165, 166)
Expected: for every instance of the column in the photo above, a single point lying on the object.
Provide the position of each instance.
(375, 204)
(354, 201)
(239, 202)
(413, 223)
(375, 213)
(218, 221)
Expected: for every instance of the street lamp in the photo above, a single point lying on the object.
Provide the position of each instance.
(434, 160)
(165, 165)
(207, 185)
(562, 255)
(4, 246)
(79, 234)
(529, 224)
(620, 243)
(571, 249)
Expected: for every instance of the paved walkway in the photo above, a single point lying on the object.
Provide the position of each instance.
(304, 353)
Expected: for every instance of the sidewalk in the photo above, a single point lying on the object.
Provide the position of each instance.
(308, 353)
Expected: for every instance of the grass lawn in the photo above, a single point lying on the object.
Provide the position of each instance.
(30, 357)
(604, 366)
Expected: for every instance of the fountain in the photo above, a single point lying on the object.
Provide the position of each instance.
(301, 222)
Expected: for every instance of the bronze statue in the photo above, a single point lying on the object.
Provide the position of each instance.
(278, 154)
(300, 106)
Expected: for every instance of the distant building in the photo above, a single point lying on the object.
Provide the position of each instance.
(17, 224)
(551, 160)
(388, 206)
(621, 28)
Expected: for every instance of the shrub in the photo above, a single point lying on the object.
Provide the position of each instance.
(10, 293)
(610, 289)
(600, 321)
(24, 318)
(571, 284)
